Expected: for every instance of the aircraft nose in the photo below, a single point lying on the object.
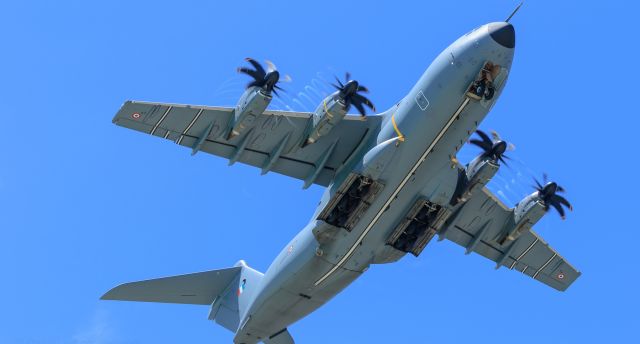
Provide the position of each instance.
(503, 34)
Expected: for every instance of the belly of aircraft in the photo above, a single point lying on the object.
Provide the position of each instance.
(295, 297)
(435, 120)
(298, 295)
(423, 168)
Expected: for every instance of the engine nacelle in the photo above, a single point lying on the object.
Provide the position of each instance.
(526, 214)
(478, 173)
(251, 105)
(327, 115)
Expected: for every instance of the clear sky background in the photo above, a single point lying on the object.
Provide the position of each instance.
(86, 205)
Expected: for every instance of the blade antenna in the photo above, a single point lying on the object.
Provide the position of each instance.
(514, 12)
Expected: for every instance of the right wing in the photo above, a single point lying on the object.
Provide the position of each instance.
(272, 144)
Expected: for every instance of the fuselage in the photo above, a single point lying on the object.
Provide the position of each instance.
(420, 137)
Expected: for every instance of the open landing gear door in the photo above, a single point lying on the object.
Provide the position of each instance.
(350, 201)
(490, 77)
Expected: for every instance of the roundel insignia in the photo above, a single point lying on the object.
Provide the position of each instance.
(135, 115)
(560, 275)
(241, 287)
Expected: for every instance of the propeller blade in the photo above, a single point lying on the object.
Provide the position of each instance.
(286, 78)
(480, 144)
(545, 178)
(270, 66)
(501, 158)
(258, 83)
(538, 185)
(257, 66)
(561, 189)
(339, 83)
(252, 73)
(561, 200)
(362, 99)
(495, 136)
(347, 76)
(363, 89)
(360, 108)
(559, 208)
(337, 87)
(484, 137)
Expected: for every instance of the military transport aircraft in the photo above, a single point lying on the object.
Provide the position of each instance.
(392, 183)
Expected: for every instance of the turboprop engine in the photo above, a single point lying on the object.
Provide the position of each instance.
(333, 108)
(531, 209)
(257, 96)
(481, 169)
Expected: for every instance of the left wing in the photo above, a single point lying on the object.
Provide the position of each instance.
(272, 143)
(479, 225)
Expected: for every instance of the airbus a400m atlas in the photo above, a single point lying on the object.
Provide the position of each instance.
(392, 183)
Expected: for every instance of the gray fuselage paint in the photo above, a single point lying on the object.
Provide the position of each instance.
(306, 274)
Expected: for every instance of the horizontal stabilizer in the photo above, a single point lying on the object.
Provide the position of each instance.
(199, 288)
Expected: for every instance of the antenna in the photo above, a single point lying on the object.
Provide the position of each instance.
(514, 12)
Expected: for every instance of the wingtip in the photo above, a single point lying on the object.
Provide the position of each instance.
(112, 294)
(106, 296)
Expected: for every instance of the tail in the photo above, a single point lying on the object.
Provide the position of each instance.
(229, 292)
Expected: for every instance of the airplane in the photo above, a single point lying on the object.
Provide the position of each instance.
(392, 184)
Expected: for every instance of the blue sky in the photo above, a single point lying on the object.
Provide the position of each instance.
(86, 205)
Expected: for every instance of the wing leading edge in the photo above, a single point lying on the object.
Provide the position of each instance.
(480, 223)
(272, 143)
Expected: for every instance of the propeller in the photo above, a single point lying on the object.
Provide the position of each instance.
(550, 198)
(496, 138)
(493, 149)
(349, 93)
(266, 79)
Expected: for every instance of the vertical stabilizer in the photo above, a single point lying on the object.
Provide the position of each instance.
(229, 308)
